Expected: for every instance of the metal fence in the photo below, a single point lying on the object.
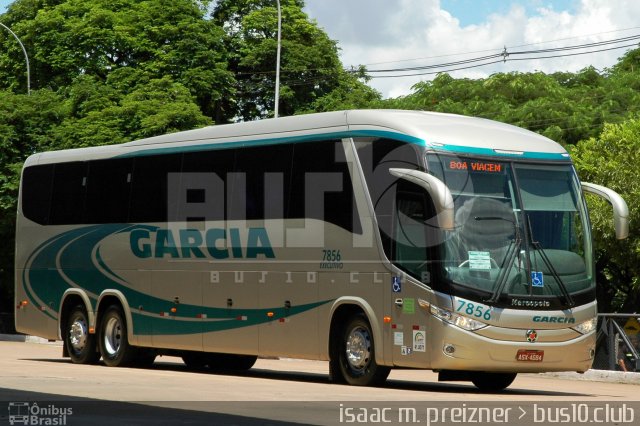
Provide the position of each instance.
(618, 342)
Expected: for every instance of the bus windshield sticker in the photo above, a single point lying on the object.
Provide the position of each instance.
(537, 279)
(479, 260)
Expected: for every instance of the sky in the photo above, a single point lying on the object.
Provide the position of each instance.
(391, 34)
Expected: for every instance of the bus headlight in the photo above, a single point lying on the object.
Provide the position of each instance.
(587, 326)
(465, 323)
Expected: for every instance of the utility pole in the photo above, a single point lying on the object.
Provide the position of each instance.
(26, 57)
(277, 96)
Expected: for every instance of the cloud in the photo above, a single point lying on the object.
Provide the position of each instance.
(394, 34)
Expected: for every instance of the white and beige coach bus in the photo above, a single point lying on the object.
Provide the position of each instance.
(371, 239)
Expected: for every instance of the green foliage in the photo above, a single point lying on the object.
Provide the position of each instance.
(310, 68)
(567, 107)
(157, 38)
(350, 93)
(611, 160)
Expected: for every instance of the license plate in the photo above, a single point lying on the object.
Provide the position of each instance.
(529, 355)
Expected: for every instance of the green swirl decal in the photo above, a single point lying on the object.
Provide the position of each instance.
(73, 260)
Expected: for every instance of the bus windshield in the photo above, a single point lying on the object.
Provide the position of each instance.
(520, 231)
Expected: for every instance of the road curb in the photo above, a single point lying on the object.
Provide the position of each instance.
(12, 338)
(24, 338)
(598, 376)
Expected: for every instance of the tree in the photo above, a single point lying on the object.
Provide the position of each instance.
(567, 107)
(157, 38)
(25, 123)
(100, 115)
(611, 160)
(310, 67)
(350, 93)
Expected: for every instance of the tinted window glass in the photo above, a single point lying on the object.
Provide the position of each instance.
(37, 185)
(108, 190)
(376, 157)
(263, 176)
(69, 190)
(321, 186)
(200, 193)
(149, 187)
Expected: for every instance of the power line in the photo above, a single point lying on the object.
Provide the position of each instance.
(459, 65)
(509, 47)
(506, 56)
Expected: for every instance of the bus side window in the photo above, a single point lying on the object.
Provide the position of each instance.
(376, 157)
(69, 192)
(108, 191)
(204, 182)
(412, 237)
(267, 176)
(149, 191)
(323, 165)
(37, 187)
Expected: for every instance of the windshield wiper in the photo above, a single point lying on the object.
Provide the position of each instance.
(536, 244)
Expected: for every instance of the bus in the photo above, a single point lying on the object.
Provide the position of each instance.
(371, 239)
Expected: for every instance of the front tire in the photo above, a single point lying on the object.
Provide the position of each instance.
(113, 342)
(492, 382)
(231, 362)
(81, 345)
(355, 355)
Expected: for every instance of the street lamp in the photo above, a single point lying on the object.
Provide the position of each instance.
(277, 96)
(25, 57)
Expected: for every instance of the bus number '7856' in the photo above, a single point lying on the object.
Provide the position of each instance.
(475, 309)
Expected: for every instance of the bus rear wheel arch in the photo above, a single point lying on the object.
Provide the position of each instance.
(353, 353)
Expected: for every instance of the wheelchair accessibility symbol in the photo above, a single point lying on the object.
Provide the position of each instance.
(396, 285)
(537, 279)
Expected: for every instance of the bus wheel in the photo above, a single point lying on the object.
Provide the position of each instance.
(231, 362)
(195, 360)
(80, 344)
(356, 354)
(145, 358)
(492, 382)
(113, 342)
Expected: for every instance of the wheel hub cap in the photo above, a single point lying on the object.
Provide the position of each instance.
(358, 348)
(112, 336)
(78, 335)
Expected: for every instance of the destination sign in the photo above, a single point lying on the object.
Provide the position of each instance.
(475, 166)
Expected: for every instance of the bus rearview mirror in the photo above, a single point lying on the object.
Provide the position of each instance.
(620, 208)
(439, 192)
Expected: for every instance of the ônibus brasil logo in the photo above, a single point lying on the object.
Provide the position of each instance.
(29, 414)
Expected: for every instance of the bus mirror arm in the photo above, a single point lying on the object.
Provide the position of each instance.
(620, 208)
(438, 190)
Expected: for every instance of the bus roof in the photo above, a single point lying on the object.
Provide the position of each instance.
(442, 132)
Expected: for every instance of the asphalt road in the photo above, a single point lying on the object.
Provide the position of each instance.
(36, 382)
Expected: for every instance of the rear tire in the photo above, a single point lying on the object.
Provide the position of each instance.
(195, 360)
(81, 345)
(354, 355)
(225, 362)
(492, 382)
(145, 358)
(113, 341)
